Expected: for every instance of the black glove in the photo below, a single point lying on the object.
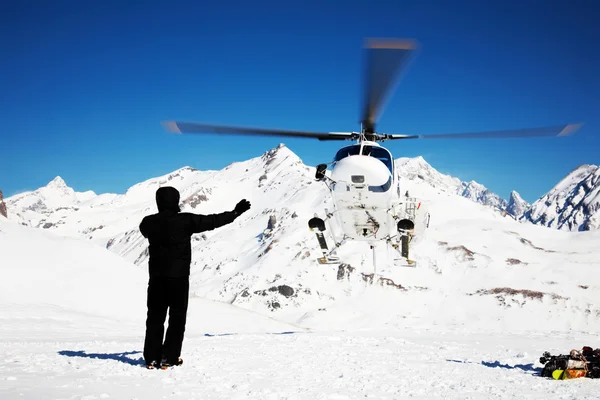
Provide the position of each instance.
(242, 207)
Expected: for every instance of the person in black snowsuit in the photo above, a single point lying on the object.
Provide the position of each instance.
(169, 233)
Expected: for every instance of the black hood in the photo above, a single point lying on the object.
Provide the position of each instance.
(167, 198)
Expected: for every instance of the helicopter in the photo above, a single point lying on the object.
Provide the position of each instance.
(369, 205)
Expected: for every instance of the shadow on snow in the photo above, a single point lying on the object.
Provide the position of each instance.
(121, 357)
(230, 334)
(496, 364)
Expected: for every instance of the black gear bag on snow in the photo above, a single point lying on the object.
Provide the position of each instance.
(576, 364)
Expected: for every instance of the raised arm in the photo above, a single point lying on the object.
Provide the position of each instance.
(201, 223)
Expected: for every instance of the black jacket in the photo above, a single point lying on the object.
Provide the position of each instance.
(169, 233)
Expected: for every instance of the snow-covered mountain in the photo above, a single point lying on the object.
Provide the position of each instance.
(488, 296)
(418, 169)
(516, 205)
(259, 265)
(56, 198)
(573, 204)
(57, 206)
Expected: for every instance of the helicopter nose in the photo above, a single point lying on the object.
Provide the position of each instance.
(361, 170)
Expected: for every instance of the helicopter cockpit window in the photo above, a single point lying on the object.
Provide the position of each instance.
(372, 151)
(347, 151)
(381, 154)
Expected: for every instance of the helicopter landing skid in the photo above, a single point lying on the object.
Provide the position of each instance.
(403, 262)
(317, 225)
(404, 245)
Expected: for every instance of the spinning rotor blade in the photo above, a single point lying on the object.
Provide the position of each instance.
(561, 130)
(192, 127)
(385, 60)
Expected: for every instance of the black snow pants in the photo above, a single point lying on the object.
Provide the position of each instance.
(172, 294)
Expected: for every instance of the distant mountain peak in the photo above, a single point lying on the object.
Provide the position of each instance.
(57, 183)
(186, 168)
(281, 152)
(418, 161)
(515, 197)
(277, 149)
(417, 168)
(573, 204)
(516, 205)
(480, 194)
(585, 168)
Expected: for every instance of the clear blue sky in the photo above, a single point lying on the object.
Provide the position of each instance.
(85, 84)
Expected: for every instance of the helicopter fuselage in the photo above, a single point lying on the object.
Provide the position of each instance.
(364, 191)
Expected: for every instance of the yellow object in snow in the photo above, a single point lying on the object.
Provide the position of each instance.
(568, 373)
(558, 374)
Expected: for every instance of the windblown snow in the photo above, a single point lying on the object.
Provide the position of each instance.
(266, 321)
